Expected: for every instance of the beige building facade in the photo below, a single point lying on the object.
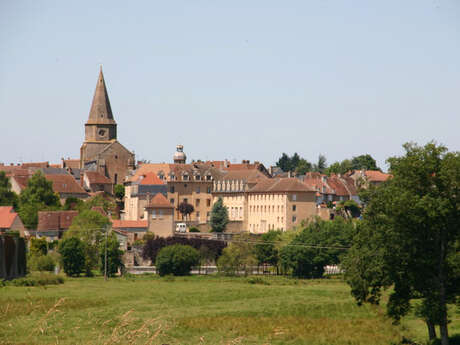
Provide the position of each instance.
(160, 216)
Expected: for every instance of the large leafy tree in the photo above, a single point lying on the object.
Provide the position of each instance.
(72, 256)
(7, 196)
(114, 256)
(364, 162)
(284, 163)
(185, 208)
(219, 216)
(90, 227)
(268, 253)
(37, 196)
(409, 238)
(321, 165)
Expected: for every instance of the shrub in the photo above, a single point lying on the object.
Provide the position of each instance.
(237, 258)
(193, 229)
(177, 260)
(72, 251)
(37, 280)
(42, 263)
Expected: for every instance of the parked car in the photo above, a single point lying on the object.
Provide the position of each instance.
(181, 227)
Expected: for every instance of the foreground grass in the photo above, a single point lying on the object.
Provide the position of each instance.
(195, 310)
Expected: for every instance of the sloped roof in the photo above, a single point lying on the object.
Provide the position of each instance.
(120, 224)
(21, 180)
(376, 176)
(71, 163)
(55, 220)
(100, 112)
(65, 184)
(7, 217)
(177, 169)
(280, 185)
(247, 175)
(96, 177)
(35, 165)
(159, 201)
(150, 178)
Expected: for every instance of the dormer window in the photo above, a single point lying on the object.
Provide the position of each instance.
(198, 177)
(101, 132)
(208, 178)
(185, 177)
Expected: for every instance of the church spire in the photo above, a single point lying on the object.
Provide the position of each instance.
(101, 112)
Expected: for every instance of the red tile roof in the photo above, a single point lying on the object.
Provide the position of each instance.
(95, 177)
(71, 163)
(376, 176)
(150, 178)
(7, 217)
(120, 224)
(65, 184)
(159, 201)
(55, 220)
(35, 165)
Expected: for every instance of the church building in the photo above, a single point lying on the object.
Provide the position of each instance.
(101, 150)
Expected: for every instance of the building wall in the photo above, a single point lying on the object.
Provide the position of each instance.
(197, 193)
(235, 203)
(160, 221)
(305, 208)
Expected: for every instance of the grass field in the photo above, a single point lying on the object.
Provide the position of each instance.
(197, 310)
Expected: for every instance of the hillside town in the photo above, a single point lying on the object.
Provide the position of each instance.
(258, 198)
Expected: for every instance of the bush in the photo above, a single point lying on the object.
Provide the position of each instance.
(114, 256)
(37, 280)
(237, 258)
(42, 263)
(177, 260)
(193, 229)
(72, 251)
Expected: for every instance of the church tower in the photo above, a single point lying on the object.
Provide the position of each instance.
(100, 125)
(101, 150)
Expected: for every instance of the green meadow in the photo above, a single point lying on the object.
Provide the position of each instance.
(198, 310)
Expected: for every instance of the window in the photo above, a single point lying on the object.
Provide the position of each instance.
(185, 177)
(198, 177)
(171, 189)
(185, 185)
(198, 215)
(185, 200)
(294, 208)
(209, 190)
(207, 216)
(208, 202)
(294, 197)
(160, 214)
(171, 201)
(115, 178)
(198, 190)
(294, 218)
(197, 202)
(208, 178)
(154, 214)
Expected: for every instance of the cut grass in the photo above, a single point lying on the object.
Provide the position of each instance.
(196, 310)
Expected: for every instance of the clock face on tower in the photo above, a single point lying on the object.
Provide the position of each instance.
(101, 132)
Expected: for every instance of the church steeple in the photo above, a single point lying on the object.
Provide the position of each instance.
(101, 125)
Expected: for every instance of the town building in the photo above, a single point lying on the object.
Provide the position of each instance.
(10, 221)
(160, 216)
(101, 150)
(52, 224)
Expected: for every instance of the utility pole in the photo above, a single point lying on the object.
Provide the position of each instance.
(105, 255)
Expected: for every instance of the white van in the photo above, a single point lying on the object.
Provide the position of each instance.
(181, 227)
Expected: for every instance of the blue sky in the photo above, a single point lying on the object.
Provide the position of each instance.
(231, 79)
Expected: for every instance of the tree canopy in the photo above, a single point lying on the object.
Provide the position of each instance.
(409, 237)
(37, 196)
(219, 216)
(185, 208)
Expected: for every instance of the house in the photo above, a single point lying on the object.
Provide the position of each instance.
(160, 216)
(364, 178)
(186, 182)
(279, 204)
(52, 224)
(66, 186)
(94, 181)
(133, 229)
(137, 194)
(10, 221)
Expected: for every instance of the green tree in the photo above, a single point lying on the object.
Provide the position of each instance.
(114, 256)
(364, 162)
(177, 259)
(37, 196)
(119, 191)
(7, 196)
(321, 165)
(73, 203)
(284, 163)
(72, 252)
(219, 216)
(268, 253)
(303, 167)
(90, 227)
(238, 257)
(185, 208)
(339, 167)
(38, 246)
(409, 238)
